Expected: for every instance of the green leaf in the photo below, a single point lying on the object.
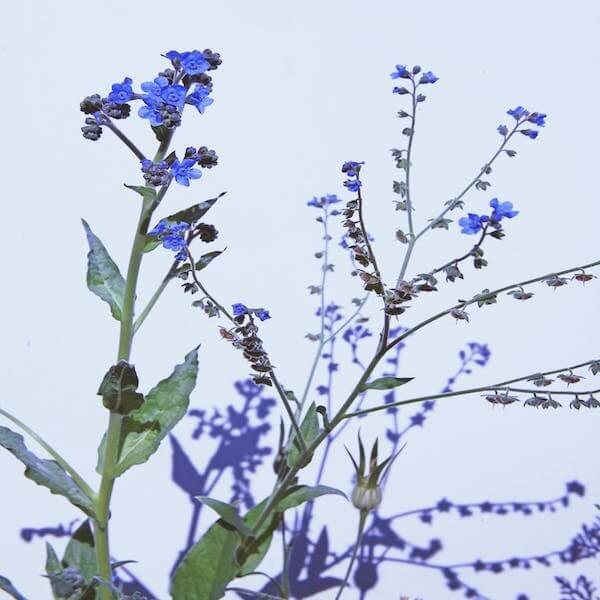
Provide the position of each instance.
(310, 430)
(118, 389)
(45, 472)
(148, 193)
(152, 242)
(206, 259)
(303, 493)
(385, 383)
(193, 213)
(103, 276)
(10, 589)
(209, 566)
(164, 406)
(228, 513)
(80, 552)
(52, 562)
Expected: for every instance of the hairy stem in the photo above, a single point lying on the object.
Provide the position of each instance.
(113, 434)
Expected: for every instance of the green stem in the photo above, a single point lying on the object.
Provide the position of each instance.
(80, 481)
(359, 536)
(153, 300)
(113, 435)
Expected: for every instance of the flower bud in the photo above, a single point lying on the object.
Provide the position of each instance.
(366, 498)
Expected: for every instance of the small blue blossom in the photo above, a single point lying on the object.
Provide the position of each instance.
(199, 98)
(517, 113)
(152, 113)
(530, 133)
(502, 130)
(160, 90)
(538, 119)
(400, 72)
(239, 309)
(184, 170)
(262, 314)
(353, 184)
(472, 223)
(501, 210)
(352, 168)
(428, 77)
(121, 92)
(193, 63)
(172, 236)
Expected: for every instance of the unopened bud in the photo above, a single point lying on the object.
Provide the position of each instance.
(366, 498)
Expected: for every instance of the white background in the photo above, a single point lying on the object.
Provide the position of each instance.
(303, 87)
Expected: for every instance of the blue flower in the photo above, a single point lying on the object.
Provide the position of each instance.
(472, 223)
(352, 167)
(193, 63)
(199, 98)
(184, 170)
(172, 236)
(121, 92)
(263, 314)
(502, 129)
(152, 113)
(353, 184)
(538, 119)
(160, 90)
(400, 72)
(501, 210)
(517, 113)
(428, 77)
(239, 309)
(530, 133)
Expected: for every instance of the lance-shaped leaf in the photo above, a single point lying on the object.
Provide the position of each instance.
(52, 562)
(194, 213)
(212, 563)
(103, 276)
(9, 588)
(385, 383)
(310, 430)
(228, 513)
(146, 192)
(45, 472)
(201, 263)
(164, 406)
(118, 389)
(80, 552)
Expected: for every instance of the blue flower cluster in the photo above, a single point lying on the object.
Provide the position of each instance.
(172, 236)
(240, 309)
(402, 72)
(474, 223)
(163, 98)
(352, 169)
(523, 116)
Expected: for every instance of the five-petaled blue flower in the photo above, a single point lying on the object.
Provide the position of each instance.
(199, 98)
(501, 210)
(121, 92)
(263, 314)
(472, 223)
(400, 72)
(239, 309)
(502, 130)
(518, 112)
(184, 170)
(193, 63)
(353, 184)
(428, 77)
(172, 236)
(152, 113)
(160, 90)
(352, 167)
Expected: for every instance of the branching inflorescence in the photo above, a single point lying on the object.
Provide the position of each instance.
(236, 544)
